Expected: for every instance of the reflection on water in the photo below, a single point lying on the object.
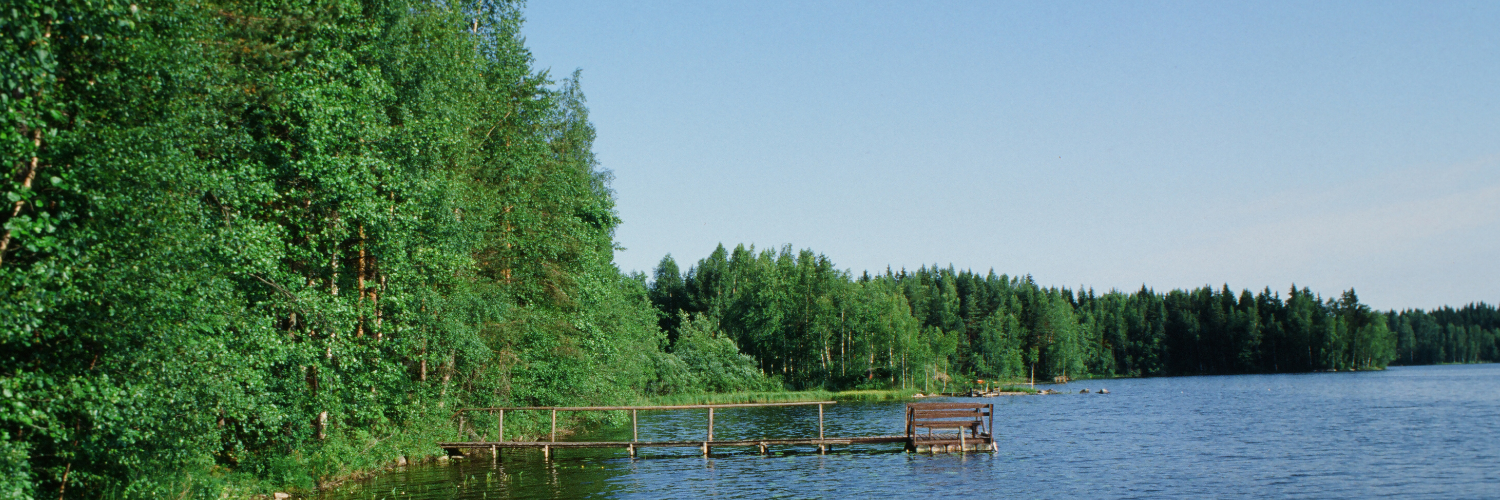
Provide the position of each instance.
(1422, 432)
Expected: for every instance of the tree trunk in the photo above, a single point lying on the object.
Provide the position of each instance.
(360, 283)
(36, 140)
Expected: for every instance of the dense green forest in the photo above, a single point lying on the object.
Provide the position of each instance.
(1467, 335)
(283, 239)
(259, 244)
(812, 325)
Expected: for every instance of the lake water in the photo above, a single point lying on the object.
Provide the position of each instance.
(1418, 432)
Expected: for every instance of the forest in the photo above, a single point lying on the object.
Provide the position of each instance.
(812, 325)
(252, 245)
(282, 240)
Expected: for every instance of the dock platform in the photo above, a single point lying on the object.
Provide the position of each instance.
(958, 416)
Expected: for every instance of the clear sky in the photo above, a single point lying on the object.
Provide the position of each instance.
(1102, 144)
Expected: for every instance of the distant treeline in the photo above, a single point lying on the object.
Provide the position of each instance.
(1446, 335)
(813, 325)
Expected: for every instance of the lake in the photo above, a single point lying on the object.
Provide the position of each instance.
(1409, 432)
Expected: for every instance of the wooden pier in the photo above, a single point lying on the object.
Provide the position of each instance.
(957, 416)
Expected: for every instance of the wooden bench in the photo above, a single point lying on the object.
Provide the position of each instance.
(975, 418)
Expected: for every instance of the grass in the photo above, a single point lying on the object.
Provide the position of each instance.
(783, 397)
(1018, 388)
(876, 395)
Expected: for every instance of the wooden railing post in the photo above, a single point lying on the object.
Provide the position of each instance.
(821, 448)
(710, 431)
(991, 427)
(554, 425)
(635, 432)
(500, 427)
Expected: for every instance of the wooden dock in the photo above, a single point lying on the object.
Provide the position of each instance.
(958, 416)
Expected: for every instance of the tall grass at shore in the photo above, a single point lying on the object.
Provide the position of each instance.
(1017, 388)
(876, 395)
(782, 397)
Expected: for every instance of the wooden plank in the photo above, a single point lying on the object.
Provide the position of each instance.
(949, 438)
(954, 440)
(946, 406)
(927, 414)
(946, 423)
(685, 444)
(662, 444)
(643, 408)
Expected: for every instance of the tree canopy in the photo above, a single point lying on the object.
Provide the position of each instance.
(259, 236)
(815, 326)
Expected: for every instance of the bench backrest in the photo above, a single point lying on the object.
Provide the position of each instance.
(948, 415)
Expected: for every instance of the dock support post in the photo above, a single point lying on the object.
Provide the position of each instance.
(632, 450)
(962, 447)
(821, 446)
(554, 426)
(546, 452)
(710, 431)
(991, 427)
(762, 447)
(494, 454)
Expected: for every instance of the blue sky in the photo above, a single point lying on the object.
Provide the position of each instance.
(1102, 144)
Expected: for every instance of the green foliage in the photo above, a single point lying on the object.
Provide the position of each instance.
(262, 243)
(713, 359)
(1018, 388)
(938, 329)
(1446, 335)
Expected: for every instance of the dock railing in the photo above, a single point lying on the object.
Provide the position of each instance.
(463, 416)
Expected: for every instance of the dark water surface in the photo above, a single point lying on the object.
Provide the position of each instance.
(1420, 432)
